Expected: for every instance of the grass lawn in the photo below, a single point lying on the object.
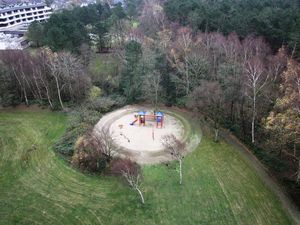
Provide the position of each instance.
(219, 187)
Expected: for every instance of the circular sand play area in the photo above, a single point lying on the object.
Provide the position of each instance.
(141, 140)
(146, 137)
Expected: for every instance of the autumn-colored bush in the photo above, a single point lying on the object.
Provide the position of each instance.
(88, 156)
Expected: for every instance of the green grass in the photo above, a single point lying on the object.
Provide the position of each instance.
(219, 186)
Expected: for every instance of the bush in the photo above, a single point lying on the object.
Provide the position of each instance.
(88, 156)
(95, 92)
(106, 104)
(80, 121)
(65, 145)
(83, 117)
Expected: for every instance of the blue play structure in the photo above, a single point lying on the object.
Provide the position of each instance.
(142, 116)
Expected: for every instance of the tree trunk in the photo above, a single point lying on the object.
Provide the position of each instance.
(187, 83)
(141, 195)
(58, 92)
(298, 174)
(25, 95)
(216, 134)
(180, 171)
(253, 119)
(48, 95)
(243, 120)
(38, 87)
(156, 100)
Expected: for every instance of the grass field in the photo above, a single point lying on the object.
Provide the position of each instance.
(37, 187)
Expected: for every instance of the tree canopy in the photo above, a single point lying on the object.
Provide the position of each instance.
(278, 21)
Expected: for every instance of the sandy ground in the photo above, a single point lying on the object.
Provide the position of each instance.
(144, 138)
(140, 143)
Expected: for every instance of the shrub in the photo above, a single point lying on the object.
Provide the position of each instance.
(80, 121)
(106, 104)
(89, 156)
(65, 145)
(95, 92)
(83, 116)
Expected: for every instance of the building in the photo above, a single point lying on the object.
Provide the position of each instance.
(12, 41)
(14, 22)
(24, 13)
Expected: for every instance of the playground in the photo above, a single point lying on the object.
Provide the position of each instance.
(138, 132)
(217, 179)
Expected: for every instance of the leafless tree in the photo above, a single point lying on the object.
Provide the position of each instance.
(42, 72)
(256, 79)
(102, 139)
(276, 64)
(178, 57)
(152, 17)
(69, 75)
(208, 99)
(176, 149)
(131, 172)
(53, 64)
(164, 39)
(153, 87)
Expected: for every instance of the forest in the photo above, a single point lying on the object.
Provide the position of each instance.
(234, 64)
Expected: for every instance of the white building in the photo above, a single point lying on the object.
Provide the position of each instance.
(9, 41)
(24, 13)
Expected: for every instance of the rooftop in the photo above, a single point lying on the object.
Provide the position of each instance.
(8, 8)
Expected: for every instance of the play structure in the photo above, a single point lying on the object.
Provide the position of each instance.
(140, 130)
(143, 116)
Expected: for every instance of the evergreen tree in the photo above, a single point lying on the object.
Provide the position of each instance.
(132, 76)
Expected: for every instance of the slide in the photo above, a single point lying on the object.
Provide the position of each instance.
(133, 122)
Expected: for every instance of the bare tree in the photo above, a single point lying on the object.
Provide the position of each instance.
(178, 57)
(42, 72)
(131, 172)
(45, 73)
(256, 79)
(176, 149)
(152, 17)
(102, 139)
(208, 99)
(153, 87)
(276, 64)
(53, 64)
(69, 75)
(164, 38)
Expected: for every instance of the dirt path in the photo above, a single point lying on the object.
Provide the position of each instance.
(262, 171)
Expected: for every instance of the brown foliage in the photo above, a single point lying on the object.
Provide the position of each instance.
(173, 146)
(93, 152)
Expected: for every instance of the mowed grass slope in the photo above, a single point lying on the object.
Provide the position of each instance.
(219, 187)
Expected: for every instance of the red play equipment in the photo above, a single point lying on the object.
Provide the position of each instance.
(143, 116)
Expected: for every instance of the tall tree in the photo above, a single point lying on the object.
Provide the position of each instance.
(35, 33)
(208, 98)
(132, 75)
(256, 79)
